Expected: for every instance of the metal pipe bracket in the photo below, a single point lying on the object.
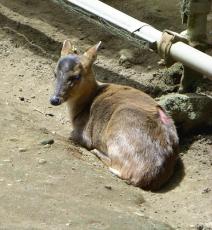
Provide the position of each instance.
(168, 38)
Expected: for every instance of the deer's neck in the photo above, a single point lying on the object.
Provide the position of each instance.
(80, 104)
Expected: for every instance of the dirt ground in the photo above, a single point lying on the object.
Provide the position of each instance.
(63, 186)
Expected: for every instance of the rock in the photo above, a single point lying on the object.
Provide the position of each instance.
(108, 187)
(206, 190)
(42, 161)
(49, 114)
(189, 111)
(21, 98)
(131, 56)
(139, 214)
(22, 150)
(13, 139)
(207, 226)
(161, 62)
(47, 142)
(7, 161)
(47, 146)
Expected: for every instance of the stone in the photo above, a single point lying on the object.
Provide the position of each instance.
(206, 190)
(47, 142)
(206, 226)
(21, 98)
(42, 161)
(47, 146)
(131, 56)
(189, 111)
(22, 150)
(108, 187)
(7, 161)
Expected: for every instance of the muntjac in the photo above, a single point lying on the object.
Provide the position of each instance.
(123, 126)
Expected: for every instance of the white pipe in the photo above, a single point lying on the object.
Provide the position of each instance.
(179, 51)
(192, 58)
(110, 14)
(118, 18)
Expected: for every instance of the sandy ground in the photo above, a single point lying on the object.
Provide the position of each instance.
(63, 186)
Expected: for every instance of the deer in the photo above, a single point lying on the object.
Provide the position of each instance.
(123, 126)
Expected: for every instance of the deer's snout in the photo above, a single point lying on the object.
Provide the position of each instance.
(55, 100)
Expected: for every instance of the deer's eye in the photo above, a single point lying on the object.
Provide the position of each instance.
(78, 76)
(73, 78)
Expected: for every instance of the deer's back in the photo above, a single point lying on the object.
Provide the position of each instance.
(117, 105)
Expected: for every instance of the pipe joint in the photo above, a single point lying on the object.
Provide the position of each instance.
(164, 45)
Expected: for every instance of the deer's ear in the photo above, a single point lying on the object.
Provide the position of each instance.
(68, 48)
(91, 54)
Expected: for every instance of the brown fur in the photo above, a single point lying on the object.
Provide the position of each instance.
(123, 125)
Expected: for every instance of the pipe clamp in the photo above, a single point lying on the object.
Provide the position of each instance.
(168, 38)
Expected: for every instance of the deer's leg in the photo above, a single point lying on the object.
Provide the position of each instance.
(106, 160)
(103, 157)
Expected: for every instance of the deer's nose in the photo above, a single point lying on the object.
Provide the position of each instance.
(55, 101)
